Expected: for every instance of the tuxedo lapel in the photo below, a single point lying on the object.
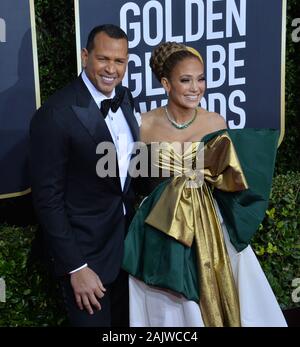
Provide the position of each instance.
(133, 125)
(93, 121)
(91, 118)
(90, 115)
(131, 121)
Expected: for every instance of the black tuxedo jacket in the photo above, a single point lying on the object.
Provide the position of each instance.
(80, 213)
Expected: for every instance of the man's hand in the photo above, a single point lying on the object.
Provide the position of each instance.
(87, 288)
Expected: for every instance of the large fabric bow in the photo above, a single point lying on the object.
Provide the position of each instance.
(189, 215)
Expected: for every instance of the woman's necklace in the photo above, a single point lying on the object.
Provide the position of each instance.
(182, 125)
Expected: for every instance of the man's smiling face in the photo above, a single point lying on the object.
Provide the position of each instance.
(105, 64)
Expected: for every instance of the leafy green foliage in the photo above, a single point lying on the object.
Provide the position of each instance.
(31, 297)
(289, 150)
(56, 44)
(277, 243)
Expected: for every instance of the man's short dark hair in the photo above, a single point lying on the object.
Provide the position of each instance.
(110, 30)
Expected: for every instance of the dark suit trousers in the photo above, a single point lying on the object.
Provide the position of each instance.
(114, 305)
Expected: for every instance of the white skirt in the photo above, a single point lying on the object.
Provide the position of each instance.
(152, 307)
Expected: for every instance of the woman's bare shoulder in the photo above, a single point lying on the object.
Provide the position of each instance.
(150, 117)
(214, 119)
(149, 124)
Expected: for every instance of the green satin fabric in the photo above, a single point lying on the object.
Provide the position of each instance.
(158, 259)
(244, 211)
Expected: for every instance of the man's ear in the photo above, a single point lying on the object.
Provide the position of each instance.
(84, 57)
(165, 83)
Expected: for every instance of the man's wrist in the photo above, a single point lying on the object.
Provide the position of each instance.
(79, 268)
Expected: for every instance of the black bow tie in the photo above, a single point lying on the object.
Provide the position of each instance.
(112, 104)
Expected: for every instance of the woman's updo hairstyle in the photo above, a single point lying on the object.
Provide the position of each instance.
(167, 55)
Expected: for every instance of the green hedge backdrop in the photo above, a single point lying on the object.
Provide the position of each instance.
(31, 297)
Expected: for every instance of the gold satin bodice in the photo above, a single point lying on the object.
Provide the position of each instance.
(186, 211)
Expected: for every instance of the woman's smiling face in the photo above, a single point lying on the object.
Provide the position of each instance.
(186, 84)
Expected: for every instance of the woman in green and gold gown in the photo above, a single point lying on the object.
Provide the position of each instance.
(187, 249)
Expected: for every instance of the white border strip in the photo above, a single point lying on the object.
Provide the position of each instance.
(77, 32)
(35, 55)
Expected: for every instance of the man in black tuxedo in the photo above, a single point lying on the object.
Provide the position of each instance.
(83, 215)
